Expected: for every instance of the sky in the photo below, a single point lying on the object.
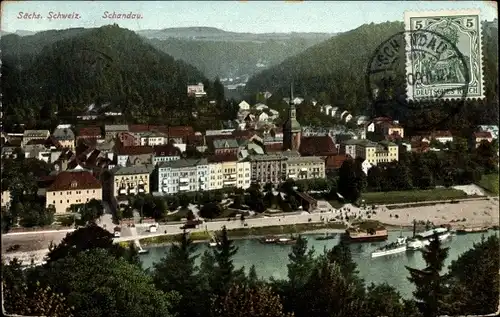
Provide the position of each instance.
(237, 16)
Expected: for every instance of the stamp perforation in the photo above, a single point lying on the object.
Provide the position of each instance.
(409, 15)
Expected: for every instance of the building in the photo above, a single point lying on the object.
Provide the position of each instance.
(131, 180)
(229, 171)
(76, 186)
(493, 129)
(152, 138)
(479, 137)
(30, 135)
(244, 106)
(364, 149)
(112, 130)
(165, 153)
(185, 175)
(388, 128)
(442, 136)
(215, 174)
(65, 136)
(306, 167)
(196, 90)
(225, 146)
(6, 198)
(291, 128)
(386, 152)
(268, 168)
(134, 155)
(93, 133)
(244, 175)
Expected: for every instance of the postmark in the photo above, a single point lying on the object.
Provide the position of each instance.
(434, 64)
(387, 78)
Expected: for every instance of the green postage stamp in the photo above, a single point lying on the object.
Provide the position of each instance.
(444, 58)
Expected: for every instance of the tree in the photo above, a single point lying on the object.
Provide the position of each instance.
(384, 300)
(350, 183)
(184, 201)
(210, 210)
(473, 280)
(87, 238)
(245, 301)
(177, 272)
(342, 256)
(328, 293)
(224, 273)
(96, 283)
(89, 211)
(429, 284)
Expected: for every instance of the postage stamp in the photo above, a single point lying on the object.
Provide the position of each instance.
(434, 64)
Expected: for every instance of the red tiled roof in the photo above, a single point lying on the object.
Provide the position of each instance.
(245, 134)
(166, 150)
(36, 142)
(90, 132)
(393, 137)
(273, 147)
(134, 150)
(336, 161)
(483, 135)
(135, 128)
(419, 146)
(317, 146)
(219, 158)
(74, 180)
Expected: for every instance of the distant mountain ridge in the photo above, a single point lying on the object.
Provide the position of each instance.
(215, 34)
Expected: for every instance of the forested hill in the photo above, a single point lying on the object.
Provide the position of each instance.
(335, 71)
(103, 65)
(231, 58)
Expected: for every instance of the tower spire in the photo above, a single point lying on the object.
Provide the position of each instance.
(291, 92)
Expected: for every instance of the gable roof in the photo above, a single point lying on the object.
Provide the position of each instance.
(63, 134)
(225, 144)
(222, 158)
(317, 146)
(78, 179)
(90, 131)
(483, 134)
(134, 150)
(336, 161)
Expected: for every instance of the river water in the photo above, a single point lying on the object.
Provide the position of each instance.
(271, 260)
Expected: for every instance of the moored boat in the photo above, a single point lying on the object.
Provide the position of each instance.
(286, 241)
(398, 246)
(472, 230)
(268, 239)
(370, 235)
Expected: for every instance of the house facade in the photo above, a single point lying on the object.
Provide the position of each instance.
(225, 146)
(134, 155)
(215, 175)
(479, 137)
(131, 180)
(76, 186)
(165, 153)
(185, 175)
(196, 90)
(268, 168)
(65, 136)
(307, 167)
(30, 135)
(244, 175)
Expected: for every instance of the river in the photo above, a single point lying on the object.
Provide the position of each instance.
(271, 260)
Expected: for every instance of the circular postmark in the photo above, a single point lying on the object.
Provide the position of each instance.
(416, 73)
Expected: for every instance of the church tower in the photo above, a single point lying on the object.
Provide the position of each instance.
(291, 127)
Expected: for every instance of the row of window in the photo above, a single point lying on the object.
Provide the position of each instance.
(78, 192)
(67, 201)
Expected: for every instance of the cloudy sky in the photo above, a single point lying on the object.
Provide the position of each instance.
(237, 16)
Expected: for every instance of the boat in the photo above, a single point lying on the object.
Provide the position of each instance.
(286, 241)
(424, 239)
(472, 230)
(398, 246)
(327, 236)
(269, 240)
(370, 235)
(213, 243)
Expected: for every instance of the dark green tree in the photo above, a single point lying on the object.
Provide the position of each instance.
(177, 272)
(430, 287)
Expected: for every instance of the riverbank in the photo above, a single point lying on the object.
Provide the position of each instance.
(247, 233)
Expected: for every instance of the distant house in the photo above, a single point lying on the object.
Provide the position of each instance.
(334, 111)
(326, 109)
(361, 120)
(30, 135)
(297, 100)
(164, 153)
(225, 146)
(91, 132)
(370, 127)
(479, 137)
(263, 117)
(260, 107)
(111, 130)
(65, 136)
(347, 117)
(134, 155)
(196, 90)
(493, 129)
(442, 136)
(244, 106)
